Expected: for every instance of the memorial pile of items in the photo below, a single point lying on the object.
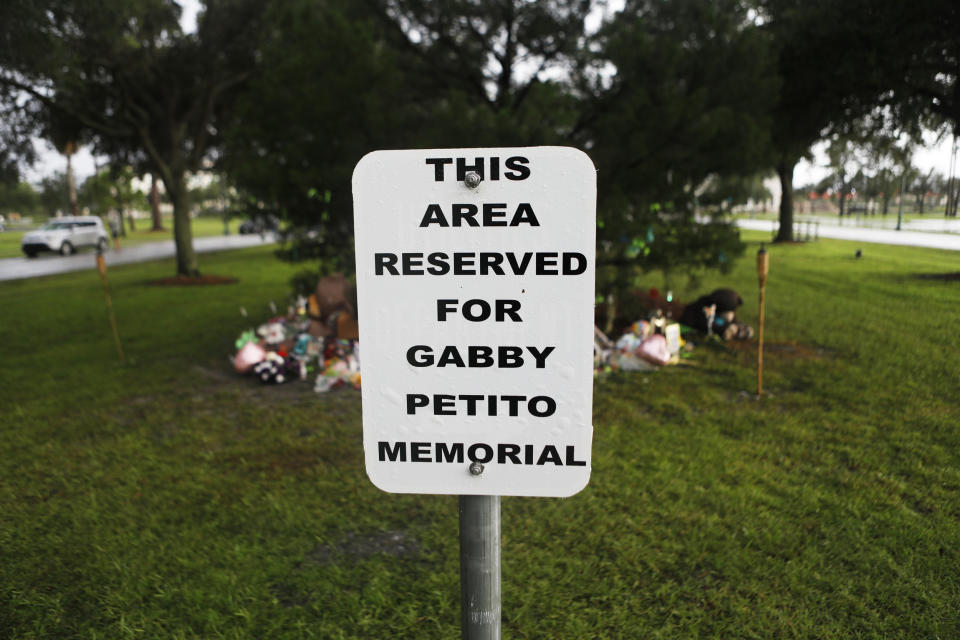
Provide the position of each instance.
(656, 340)
(316, 340)
(646, 345)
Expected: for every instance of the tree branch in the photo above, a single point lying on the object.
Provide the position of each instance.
(97, 125)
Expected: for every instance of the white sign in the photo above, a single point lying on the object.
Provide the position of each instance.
(476, 319)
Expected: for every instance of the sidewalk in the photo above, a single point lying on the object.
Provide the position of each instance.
(948, 241)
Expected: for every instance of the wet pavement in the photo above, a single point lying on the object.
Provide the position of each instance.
(51, 263)
(933, 234)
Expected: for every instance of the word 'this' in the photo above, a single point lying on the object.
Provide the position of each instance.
(514, 168)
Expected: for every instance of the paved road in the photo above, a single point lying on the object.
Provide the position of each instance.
(49, 264)
(949, 241)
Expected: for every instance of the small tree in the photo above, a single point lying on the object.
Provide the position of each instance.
(111, 190)
(922, 185)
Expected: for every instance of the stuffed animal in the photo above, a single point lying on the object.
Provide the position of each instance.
(272, 332)
(249, 355)
(272, 370)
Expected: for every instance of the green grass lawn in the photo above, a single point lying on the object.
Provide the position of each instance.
(166, 497)
(202, 226)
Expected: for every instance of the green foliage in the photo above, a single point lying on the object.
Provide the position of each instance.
(922, 184)
(170, 498)
(123, 75)
(838, 62)
(16, 136)
(55, 194)
(687, 105)
(340, 95)
(686, 108)
(925, 88)
(19, 197)
(97, 193)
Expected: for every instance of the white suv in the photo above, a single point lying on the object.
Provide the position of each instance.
(66, 235)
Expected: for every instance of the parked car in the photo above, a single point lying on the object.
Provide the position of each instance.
(65, 235)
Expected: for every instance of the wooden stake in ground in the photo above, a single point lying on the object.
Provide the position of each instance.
(763, 267)
(102, 270)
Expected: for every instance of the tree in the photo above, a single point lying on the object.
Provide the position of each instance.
(923, 185)
(96, 194)
(19, 115)
(691, 86)
(111, 190)
(18, 197)
(846, 168)
(147, 94)
(352, 77)
(155, 217)
(889, 160)
(836, 60)
(686, 106)
(502, 65)
(16, 131)
(54, 194)
(325, 93)
(927, 86)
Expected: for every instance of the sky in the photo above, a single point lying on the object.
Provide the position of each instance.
(936, 155)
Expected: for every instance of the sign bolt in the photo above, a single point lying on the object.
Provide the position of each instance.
(472, 180)
(476, 468)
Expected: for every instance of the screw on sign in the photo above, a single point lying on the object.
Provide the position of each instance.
(475, 286)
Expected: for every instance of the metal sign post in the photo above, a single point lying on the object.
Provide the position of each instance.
(479, 567)
(475, 288)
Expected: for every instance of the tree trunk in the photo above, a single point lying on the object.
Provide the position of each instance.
(71, 182)
(843, 200)
(182, 230)
(785, 171)
(133, 225)
(886, 203)
(920, 203)
(155, 204)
